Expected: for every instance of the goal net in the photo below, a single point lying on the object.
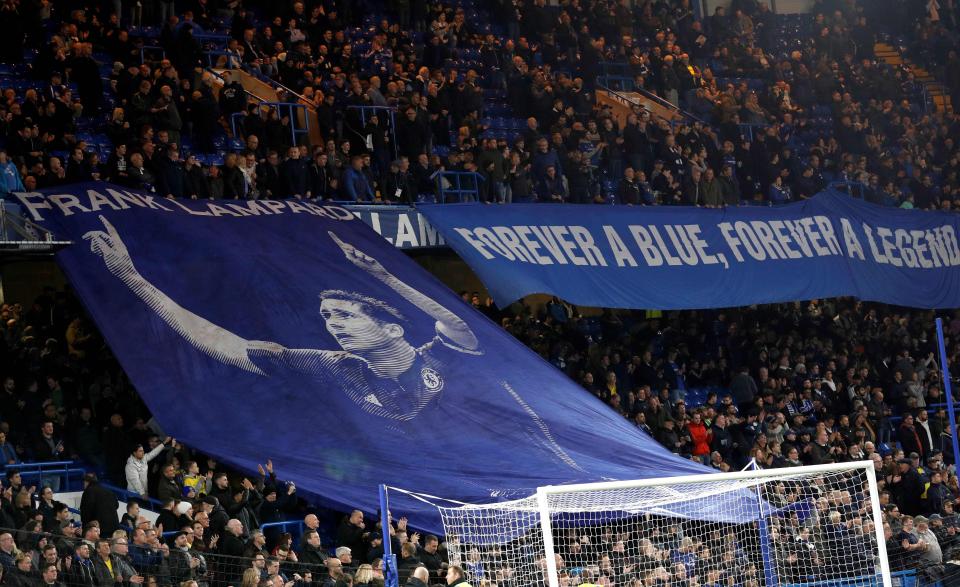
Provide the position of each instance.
(800, 526)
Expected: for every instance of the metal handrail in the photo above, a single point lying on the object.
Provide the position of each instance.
(62, 469)
(392, 117)
(217, 75)
(132, 494)
(458, 177)
(25, 228)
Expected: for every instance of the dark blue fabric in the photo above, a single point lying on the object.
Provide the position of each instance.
(528, 248)
(476, 416)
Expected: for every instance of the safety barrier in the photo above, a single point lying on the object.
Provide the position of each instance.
(459, 186)
(388, 113)
(68, 476)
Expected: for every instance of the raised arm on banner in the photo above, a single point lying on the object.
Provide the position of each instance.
(219, 343)
(448, 324)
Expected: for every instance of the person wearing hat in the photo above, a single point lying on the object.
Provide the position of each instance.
(946, 534)
(215, 513)
(275, 507)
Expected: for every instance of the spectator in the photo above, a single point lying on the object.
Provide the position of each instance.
(98, 504)
(136, 469)
(553, 187)
(356, 185)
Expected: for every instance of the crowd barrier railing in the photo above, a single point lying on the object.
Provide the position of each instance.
(67, 475)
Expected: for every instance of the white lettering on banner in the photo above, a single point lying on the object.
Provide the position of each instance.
(647, 248)
(98, 201)
(693, 232)
(566, 244)
(568, 247)
(680, 243)
(914, 249)
(767, 239)
(405, 232)
(590, 250)
(512, 242)
(778, 227)
(550, 243)
(826, 227)
(33, 202)
(66, 203)
(95, 201)
(488, 238)
(920, 247)
(429, 236)
(938, 249)
(621, 254)
(296, 207)
(533, 247)
(221, 211)
(467, 235)
(854, 248)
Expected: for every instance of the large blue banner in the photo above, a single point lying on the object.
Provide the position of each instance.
(681, 258)
(292, 331)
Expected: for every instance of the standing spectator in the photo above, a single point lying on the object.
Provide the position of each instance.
(50, 447)
(9, 175)
(398, 185)
(171, 178)
(293, 175)
(98, 504)
(356, 186)
(553, 187)
(412, 137)
(137, 467)
(907, 488)
(700, 437)
(167, 486)
(908, 437)
(232, 177)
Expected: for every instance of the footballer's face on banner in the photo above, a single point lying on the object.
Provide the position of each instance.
(353, 328)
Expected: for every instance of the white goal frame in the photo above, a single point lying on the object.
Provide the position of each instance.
(866, 466)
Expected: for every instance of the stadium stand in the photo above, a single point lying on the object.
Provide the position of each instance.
(492, 102)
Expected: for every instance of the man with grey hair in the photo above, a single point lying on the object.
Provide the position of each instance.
(931, 554)
(344, 555)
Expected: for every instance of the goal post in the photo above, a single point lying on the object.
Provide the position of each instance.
(816, 526)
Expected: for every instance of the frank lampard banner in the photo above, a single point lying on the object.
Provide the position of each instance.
(291, 330)
(684, 258)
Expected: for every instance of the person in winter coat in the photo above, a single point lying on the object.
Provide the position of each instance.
(23, 574)
(456, 577)
(699, 436)
(9, 176)
(82, 572)
(711, 190)
(294, 177)
(311, 553)
(98, 503)
(136, 469)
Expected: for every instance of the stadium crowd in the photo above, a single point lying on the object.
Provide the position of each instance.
(809, 383)
(786, 385)
(772, 119)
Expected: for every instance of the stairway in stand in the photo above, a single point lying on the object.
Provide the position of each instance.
(938, 92)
